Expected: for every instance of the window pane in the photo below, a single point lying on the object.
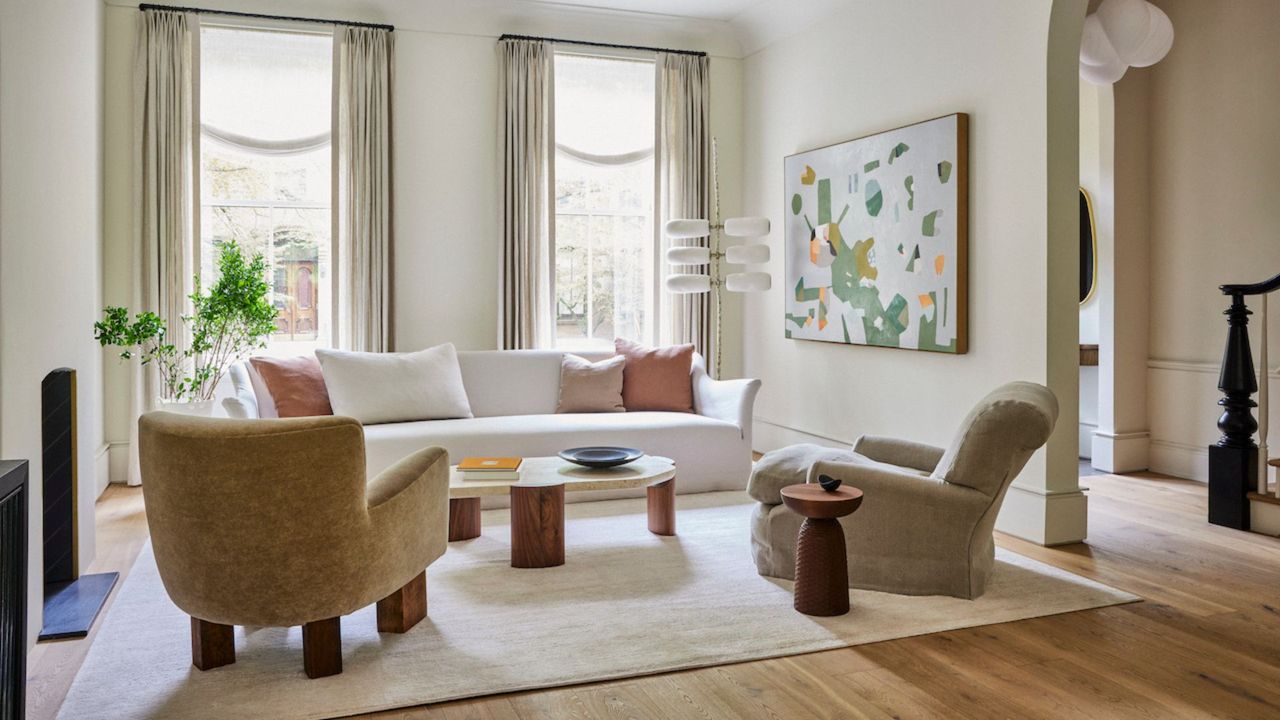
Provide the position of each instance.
(604, 211)
(269, 87)
(571, 277)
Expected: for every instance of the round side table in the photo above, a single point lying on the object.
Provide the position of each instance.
(822, 569)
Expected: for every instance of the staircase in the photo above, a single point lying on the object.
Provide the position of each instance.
(1240, 495)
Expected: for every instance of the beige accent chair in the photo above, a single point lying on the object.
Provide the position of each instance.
(926, 520)
(272, 523)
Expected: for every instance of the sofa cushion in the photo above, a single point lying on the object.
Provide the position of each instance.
(587, 387)
(395, 387)
(709, 454)
(656, 378)
(296, 385)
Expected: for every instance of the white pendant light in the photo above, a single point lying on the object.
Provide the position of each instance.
(747, 227)
(688, 255)
(747, 254)
(748, 282)
(1103, 75)
(684, 284)
(1095, 48)
(1157, 43)
(1120, 35)
(1125, 22)
(688, 228)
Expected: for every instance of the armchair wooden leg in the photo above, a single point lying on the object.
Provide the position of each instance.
(405, 607)
(322, 648)
(212, 645)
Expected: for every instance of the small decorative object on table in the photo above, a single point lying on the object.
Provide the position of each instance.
(601, 456)
(822, 571)
(829, 483)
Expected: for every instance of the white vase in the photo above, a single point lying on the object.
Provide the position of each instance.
(203, 408)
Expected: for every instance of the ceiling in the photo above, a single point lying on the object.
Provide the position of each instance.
(722, 10)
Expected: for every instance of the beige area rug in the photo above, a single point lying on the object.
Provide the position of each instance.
(626, 603)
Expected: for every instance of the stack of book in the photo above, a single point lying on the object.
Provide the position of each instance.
(490, 468)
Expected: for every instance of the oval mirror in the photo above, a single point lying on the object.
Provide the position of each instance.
(1088, 248)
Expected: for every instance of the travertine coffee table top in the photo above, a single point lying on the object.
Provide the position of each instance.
(534, 471)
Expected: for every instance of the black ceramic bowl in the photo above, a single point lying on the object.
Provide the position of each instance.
(601, 456)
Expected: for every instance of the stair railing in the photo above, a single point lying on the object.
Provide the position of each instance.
(1237, 465)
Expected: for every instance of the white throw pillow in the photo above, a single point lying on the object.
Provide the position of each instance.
(395, 387)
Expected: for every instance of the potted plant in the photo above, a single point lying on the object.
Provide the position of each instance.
(231, 319)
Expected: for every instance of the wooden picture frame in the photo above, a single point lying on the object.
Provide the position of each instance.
(877, 239)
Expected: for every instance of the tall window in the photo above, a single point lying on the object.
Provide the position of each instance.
(266, 168)
(604, 176)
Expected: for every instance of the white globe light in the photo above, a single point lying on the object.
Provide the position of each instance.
(1126, 23)
(1158, 41)
(747, 226)
(688, 228)
(747, 254)
(688, 255)
(748, 282)
(685, 284)
(1095, 48)
(1103, 75)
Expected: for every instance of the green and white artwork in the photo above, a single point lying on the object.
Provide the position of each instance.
(876, 239)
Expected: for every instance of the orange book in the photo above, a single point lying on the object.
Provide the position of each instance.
(490, 464)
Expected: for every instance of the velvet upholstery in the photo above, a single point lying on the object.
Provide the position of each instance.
(927, 516)
(272, 523)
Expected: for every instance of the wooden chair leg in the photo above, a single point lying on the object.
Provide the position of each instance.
(405, 607)
(212, 645)
(322, 647)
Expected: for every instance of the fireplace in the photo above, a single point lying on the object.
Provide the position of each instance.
(13, 588)
(71, 600)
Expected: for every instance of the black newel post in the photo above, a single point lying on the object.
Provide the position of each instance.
(1233, 461)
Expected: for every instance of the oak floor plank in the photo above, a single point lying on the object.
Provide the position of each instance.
(1205, 644)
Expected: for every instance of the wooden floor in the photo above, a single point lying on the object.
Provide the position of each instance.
(1205, 643)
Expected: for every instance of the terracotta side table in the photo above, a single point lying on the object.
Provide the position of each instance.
(822, 569)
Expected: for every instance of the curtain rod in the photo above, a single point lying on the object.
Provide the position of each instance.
(260, 16)
(508, 36)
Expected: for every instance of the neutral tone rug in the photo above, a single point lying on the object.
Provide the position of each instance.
(626, 603)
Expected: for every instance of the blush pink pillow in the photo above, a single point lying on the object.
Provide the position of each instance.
(656, 378)
(296, 384)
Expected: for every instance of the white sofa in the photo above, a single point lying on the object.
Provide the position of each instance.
(513, 396)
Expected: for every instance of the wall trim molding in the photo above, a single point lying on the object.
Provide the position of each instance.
(1183, 460)
(1044, 516)
(1206, 368)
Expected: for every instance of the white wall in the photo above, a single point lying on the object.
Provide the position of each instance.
(50, 225)
(1212, 163)
(447, 217)
(1011, 66)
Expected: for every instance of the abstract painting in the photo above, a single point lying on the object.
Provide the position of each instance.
(877, 239)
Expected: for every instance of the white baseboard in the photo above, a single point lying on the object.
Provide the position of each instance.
(1045, 518)
(118, 454)
(767, 436)
(1121, 452)
(101, 470)
(1086, 439)
(1180, 460)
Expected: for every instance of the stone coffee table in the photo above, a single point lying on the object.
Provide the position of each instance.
(537, 502)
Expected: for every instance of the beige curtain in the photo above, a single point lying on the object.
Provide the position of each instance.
(363, 161)
(526, 117)
(684, 183)
(164, 76)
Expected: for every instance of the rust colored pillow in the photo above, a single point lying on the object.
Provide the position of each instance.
(656, 378)
(296, 385)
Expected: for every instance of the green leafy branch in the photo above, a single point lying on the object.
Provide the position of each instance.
(233, 318)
